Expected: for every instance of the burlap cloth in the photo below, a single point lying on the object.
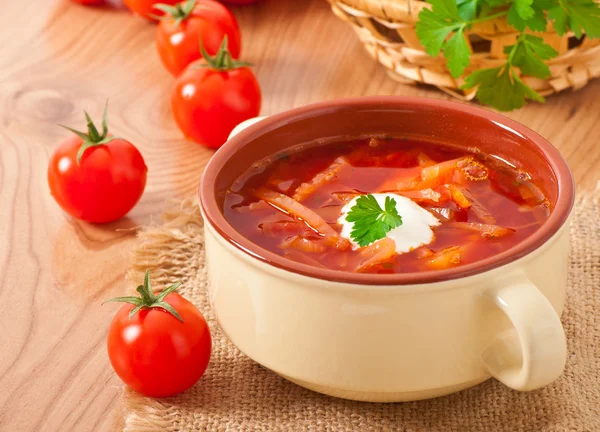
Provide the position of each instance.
(237, 394)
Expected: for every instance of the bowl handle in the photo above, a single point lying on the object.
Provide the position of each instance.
(539, 333)
(243, 125)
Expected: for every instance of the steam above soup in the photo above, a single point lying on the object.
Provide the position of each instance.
(385, 205)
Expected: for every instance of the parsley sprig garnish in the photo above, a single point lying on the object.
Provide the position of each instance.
(576, 15)
(444, 27)
(501, 87)
(371, 222)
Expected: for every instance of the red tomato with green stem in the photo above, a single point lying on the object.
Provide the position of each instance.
(146, 8)
(213, 95)
(96, 177)
(159, 345)
(185, 24)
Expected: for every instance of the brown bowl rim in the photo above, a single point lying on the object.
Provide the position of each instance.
(215, 218)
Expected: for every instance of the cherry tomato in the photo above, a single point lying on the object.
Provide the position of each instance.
(96, 177)
(158, 345)
(90, 2)
(212, 96)
(145, 8)
(178, 39)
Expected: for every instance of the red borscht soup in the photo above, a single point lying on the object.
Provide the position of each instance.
(385, 205)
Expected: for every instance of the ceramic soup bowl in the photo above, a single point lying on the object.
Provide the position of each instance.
(394, 337)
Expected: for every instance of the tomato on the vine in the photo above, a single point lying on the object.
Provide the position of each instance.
(185, 24)
(213, 95)
(159, 345)
(146, 8)
(96, 177)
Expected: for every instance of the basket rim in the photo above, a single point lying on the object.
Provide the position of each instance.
(378, 8)
(377, 5)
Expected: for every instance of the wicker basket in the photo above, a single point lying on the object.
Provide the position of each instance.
(387, 29)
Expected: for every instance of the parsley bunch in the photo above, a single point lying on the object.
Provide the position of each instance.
(443, 28)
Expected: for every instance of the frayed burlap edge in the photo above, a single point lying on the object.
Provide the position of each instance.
(184, 226)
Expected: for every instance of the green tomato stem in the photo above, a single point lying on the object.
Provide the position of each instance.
(222, 61)
(147, 299)
(93, 138)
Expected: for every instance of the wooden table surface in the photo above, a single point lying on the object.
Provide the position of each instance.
(59, 58)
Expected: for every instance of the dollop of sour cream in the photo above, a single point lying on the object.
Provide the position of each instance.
(415, 230)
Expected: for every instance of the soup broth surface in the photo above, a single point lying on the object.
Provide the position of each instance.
(291, 203)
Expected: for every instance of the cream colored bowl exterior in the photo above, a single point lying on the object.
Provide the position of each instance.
(394, 343)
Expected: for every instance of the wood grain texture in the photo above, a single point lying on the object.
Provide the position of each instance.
(59, 58)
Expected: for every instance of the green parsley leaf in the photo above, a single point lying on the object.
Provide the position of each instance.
(371, 222)
(436, 25)
(457, 53)
(432, 30)
(496, 3)
(501, 88)
(578, 15)
(536, 22)
(560, 18)
(445, 9)
(529, 52)
(543, 4)
(467, 9)
(487, 7)
(523, 8)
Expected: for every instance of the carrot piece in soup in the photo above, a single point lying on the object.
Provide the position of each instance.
(292, 207)
(458, 197)
(422, 195)
(434, 175)
(409, 179)
(486, 230)
(456, 171)
(403, 185)
(303, 244)
(305, 189)
(442, 171)
(446, 258)
(459, 177)
(444, 213)
(424, 160)
(376, 253)
(423, 252)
